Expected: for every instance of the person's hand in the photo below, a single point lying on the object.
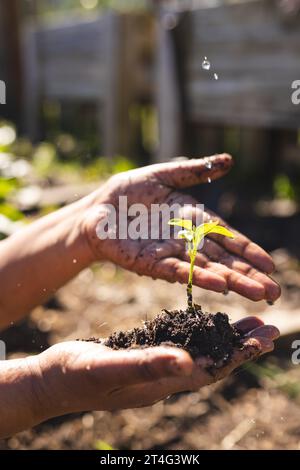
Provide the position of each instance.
(81, 376)
(223, 264)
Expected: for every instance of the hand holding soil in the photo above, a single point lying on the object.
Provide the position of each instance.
(81, 376)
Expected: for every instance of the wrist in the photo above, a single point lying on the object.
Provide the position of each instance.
(78, 239)
(49, 391)
(23, 401)
(95, 209)
(57, 382)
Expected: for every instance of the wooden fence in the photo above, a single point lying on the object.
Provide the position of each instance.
(254, 49)
(105, 61)
(114, 61)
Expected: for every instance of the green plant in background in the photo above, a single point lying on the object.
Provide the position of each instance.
(79, 6)
(272, 376)
(11, 212)
(7, 186)
(102, 445)
(7, 135)
(194, 236)
(283, 188)
(44, 158)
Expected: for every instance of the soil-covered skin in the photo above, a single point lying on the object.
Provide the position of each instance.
(199, 333)
(192, 421)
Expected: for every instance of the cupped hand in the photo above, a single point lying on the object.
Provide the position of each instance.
(82, 376)
(223, 264)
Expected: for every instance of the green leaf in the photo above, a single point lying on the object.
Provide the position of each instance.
(222, 231)
(102, 445)
(184, 223)
(211, 227)
(202, 230)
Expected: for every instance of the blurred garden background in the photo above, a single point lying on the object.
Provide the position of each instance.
(96, 87)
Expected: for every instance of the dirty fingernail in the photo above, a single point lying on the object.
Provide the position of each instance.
(260, 343)
(266, 331)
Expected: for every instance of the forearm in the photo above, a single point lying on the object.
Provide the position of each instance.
(39, 259)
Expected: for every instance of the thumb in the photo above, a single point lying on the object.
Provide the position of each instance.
(130, 367)
(188, 173)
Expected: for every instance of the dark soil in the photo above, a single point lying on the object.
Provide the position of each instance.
(199, 333)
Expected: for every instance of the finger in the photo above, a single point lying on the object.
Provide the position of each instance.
(215, 252)
(205, 372)
(241, 245)
(128, 367)
(191, 172)
(147, 394)
(239, 283)
(234, 281)
(254, 346)
(265, 331)
(175, 270)
(248, 324)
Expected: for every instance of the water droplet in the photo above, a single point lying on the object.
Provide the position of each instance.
(205, 64)
(88, 367)
(216, 76)
(74, 260)
(208, 164)
(64, 370)
(209, 180)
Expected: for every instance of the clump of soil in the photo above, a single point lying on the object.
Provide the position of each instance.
(199, 333)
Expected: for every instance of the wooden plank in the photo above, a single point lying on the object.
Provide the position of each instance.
(74, 79)
(32, 83)
(10, 59)
(74, 38)
(168, 98)
(73, 61)
(105, 61)
(108, 115)
(67, 62)
(256, 56)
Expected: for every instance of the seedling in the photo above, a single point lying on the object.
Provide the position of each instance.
(200, 333)
(194, 236)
